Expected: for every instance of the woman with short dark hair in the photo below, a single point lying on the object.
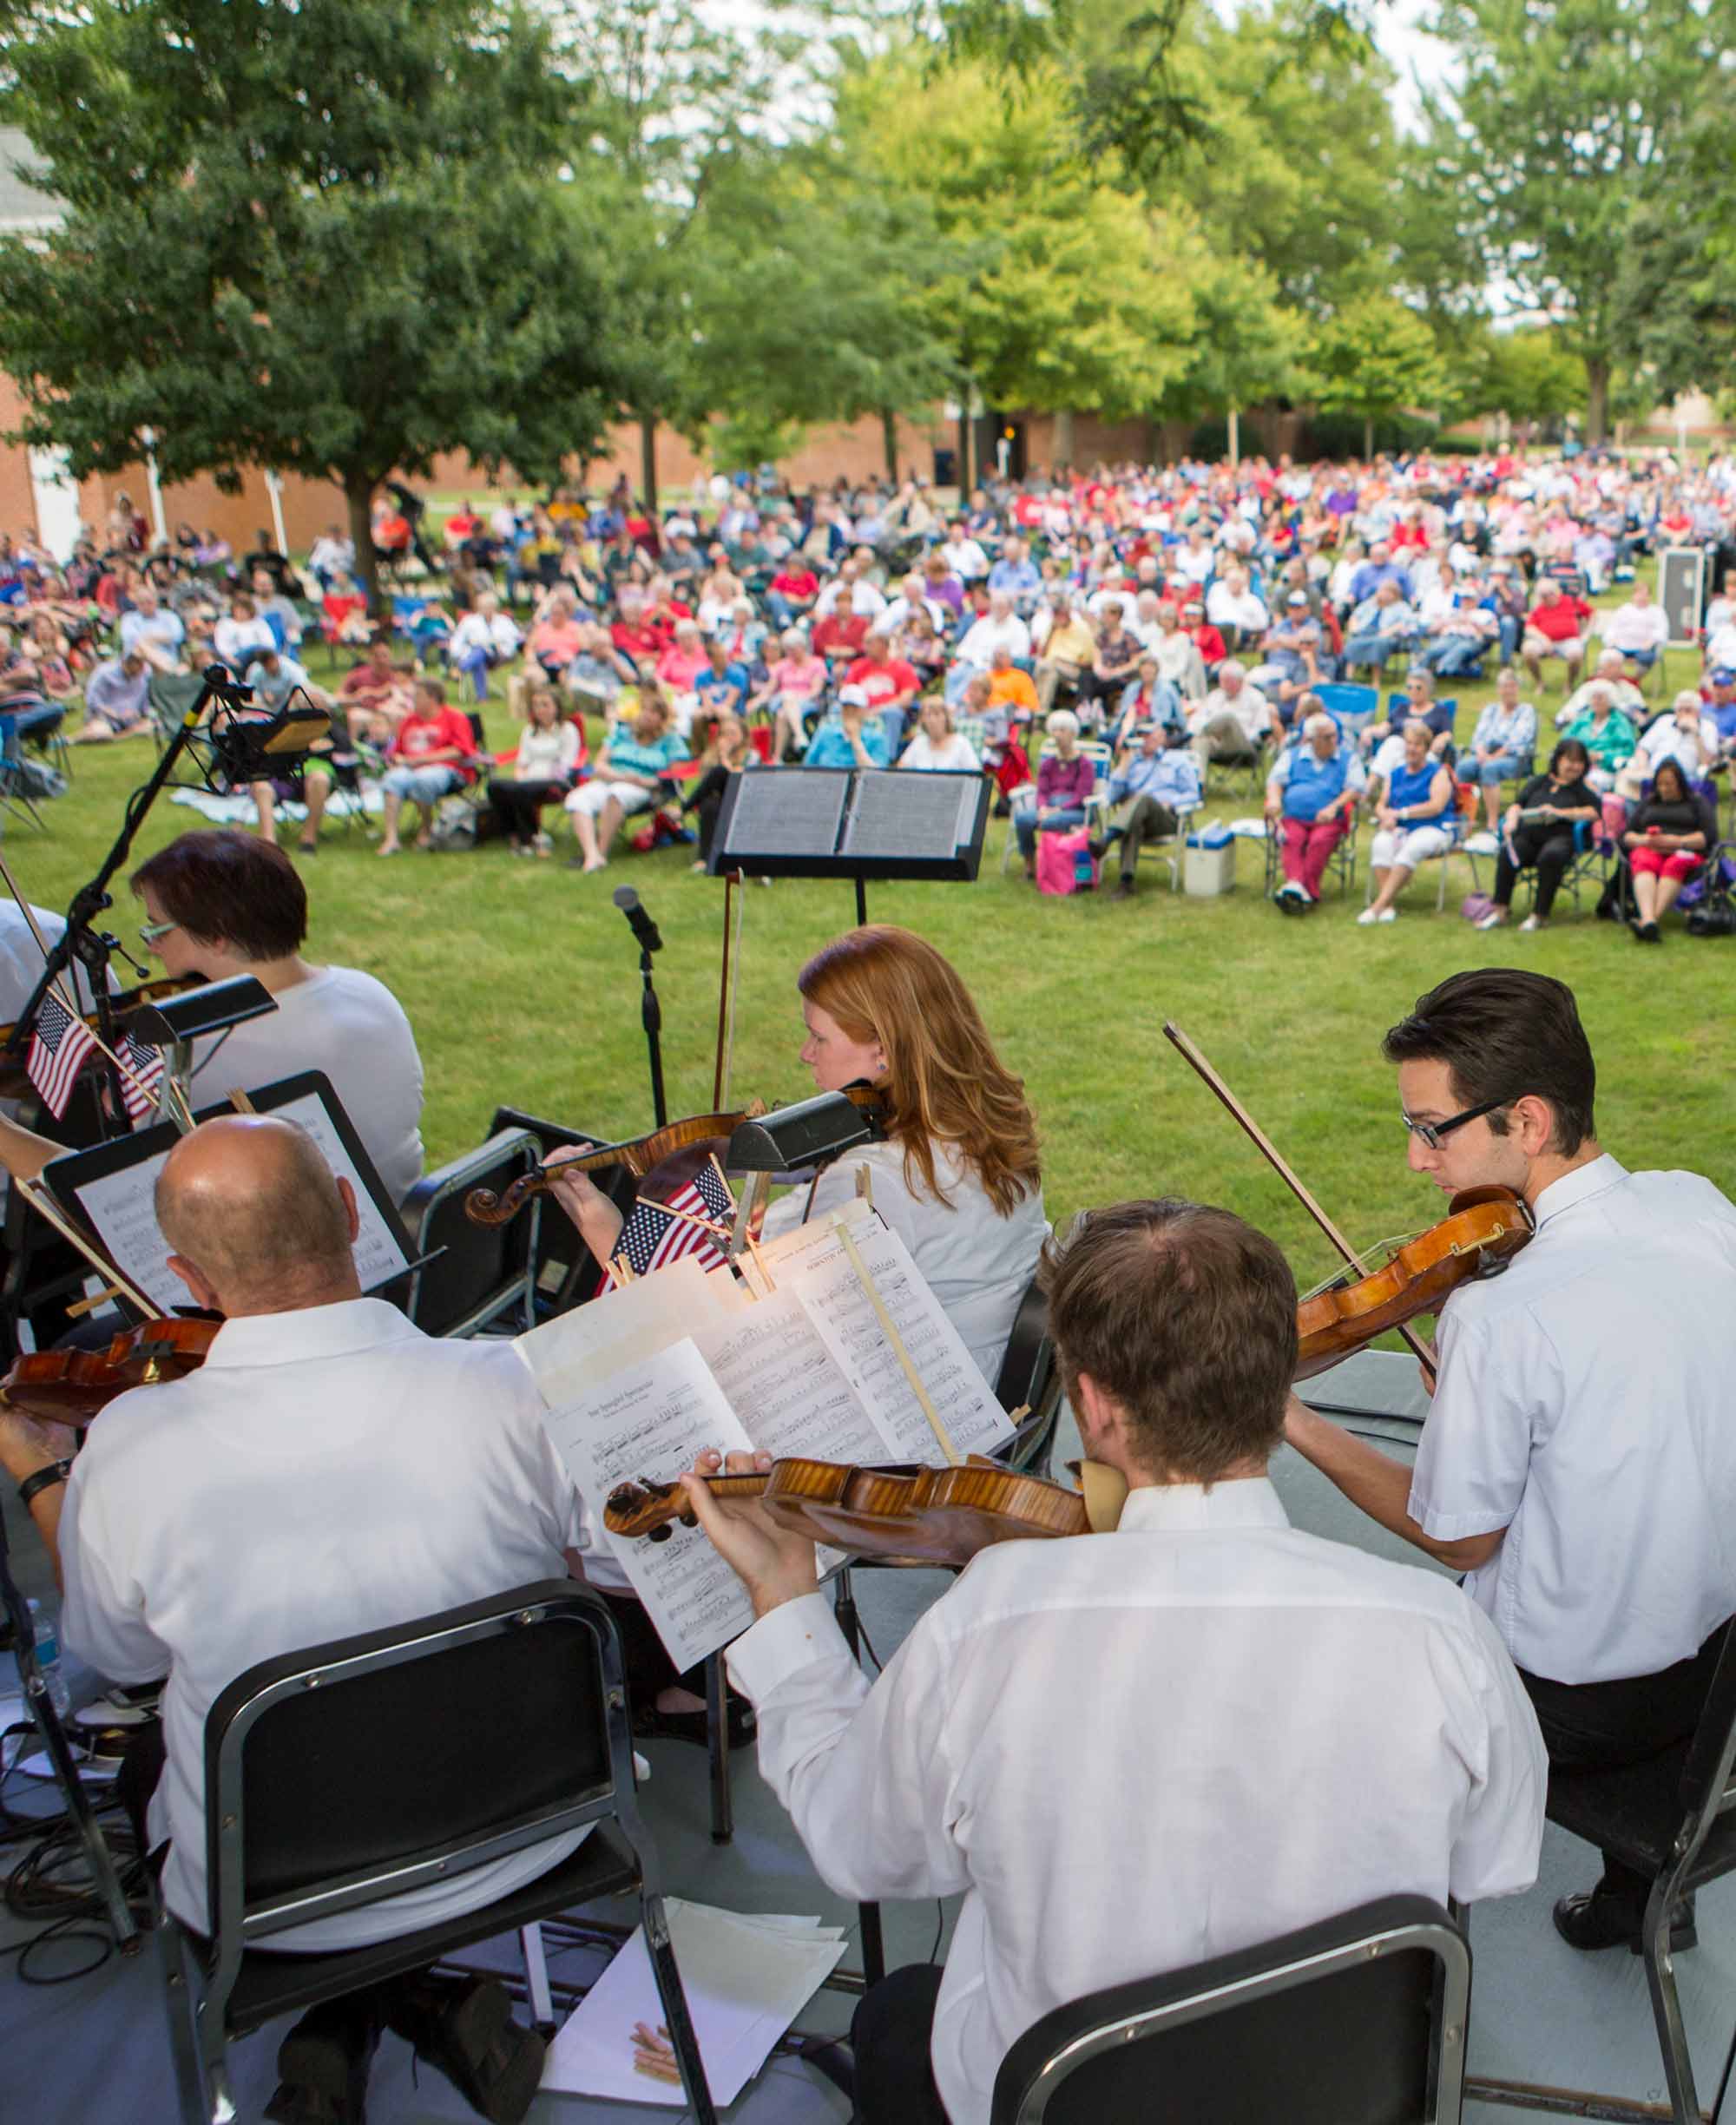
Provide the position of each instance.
(1540, 831)
(1665, 845)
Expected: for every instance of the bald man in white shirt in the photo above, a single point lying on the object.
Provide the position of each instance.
(1578, 1463)
(329, 1470)
(1081, 1735)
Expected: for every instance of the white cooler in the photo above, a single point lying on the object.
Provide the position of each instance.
(1206, 872)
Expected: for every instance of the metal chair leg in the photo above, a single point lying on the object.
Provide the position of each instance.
(1661, 1981)
(676, 2019)
(717, 1744)
(536, 1976)
(178, 2003)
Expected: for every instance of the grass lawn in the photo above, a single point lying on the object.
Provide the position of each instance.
(521, 980)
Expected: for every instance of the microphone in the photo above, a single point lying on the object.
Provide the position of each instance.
(641, 924)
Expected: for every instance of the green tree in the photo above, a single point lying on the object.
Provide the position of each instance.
(1372, 358)
(1078, 299)
(1246, 347)
(326, 237)
(1562, 122)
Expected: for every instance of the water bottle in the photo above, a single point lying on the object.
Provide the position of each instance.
(47, 1641)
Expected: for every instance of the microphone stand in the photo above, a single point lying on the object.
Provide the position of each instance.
(82, 941)
(650, 1009)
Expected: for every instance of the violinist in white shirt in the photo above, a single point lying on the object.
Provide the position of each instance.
(1133, 1750)
(1578, 1463)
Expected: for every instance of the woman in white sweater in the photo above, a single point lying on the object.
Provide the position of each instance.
(936, 745)
(541, 773)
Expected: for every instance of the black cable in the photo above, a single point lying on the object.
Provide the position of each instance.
(868, 1646)
(939, 1927)
(32, 1892)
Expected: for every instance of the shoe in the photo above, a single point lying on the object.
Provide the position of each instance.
(1596, 1918)
(1482, 843)
(307, 848)
(1649, 933)
(1289, 898)
(467, 2032)
(1367, 919)
(1491, 922)
(1532, 922)
(651, 1724)
(1387, 915)
(1123, 890)
(1098, 847)
(323, 2067)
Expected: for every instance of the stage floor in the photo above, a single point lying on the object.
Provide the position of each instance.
(95, 2052)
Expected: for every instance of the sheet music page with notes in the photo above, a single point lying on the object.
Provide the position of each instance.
(788, 1388)
(649, 1418)
(812, 1266)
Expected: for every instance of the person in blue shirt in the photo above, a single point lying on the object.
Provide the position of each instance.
(1311, 801)
(1380, 568)
(1163, 781)
(852, 739)
(1015, 572)
(1415, 818)
(628, 778)
(722, 687)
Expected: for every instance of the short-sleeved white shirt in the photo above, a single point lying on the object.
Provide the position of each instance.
(1584, 1404)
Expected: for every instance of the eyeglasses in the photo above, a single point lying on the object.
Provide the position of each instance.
(1430, 1133)
(149, 932)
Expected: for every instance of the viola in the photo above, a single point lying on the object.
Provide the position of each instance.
(1484, 1230)
(639, 1154)
(929, 1515)
(71, 1386)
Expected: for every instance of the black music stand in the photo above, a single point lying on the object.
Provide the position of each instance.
(852, 823)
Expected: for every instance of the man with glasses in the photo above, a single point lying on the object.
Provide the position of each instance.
(1578, 1465)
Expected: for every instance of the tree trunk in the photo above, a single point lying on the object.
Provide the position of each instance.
(1062, 448)
(967, 449)
(1234, 422)
(889, 442)
(647, 463)
(1596, 397)
(358, 493)
(1368, 438)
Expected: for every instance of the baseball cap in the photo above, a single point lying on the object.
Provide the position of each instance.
(1296, 597)
(853, 697)
(1724, 676)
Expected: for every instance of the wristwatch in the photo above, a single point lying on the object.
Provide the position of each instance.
(55, 1472)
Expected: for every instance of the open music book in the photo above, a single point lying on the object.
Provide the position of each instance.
(637, 1382)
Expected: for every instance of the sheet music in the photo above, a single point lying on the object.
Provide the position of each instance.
(121, 1207)
(567, 1356)
(649, 1420)
(902, 814)
(812, 1266)
(789, 814)
(788, 1388)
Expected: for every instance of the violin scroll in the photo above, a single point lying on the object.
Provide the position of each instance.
(482, 1205)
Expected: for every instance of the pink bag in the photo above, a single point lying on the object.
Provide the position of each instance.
(1058, 860)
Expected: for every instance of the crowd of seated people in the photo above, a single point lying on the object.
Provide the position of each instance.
(869, 626)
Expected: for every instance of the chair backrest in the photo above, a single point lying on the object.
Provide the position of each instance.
(564, 1273)
(484, 1272)
(356, 1770)
(1028, 1362)
(1347, 701)
(1358, 2021)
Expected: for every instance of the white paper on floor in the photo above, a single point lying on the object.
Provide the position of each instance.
(746, 1977)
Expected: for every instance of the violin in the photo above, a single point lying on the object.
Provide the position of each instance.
(71, 1386)
(639, 1155)
(927, 1516)
(1484, 1230)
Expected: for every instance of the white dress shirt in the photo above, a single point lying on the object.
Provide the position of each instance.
(1667, 739)
(1583, 1404)
(347, 1023)
(976, 1262)
(1635, 626)
(987, 634)
(1232, 608)
(1134, 1750)
(325, 1472)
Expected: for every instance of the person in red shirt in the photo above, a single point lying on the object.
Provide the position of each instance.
(887, 681)
(791, 592)
(840, 635)
(1206, 639)
(433, 754)
(463, 525)
(664, 612)
(375, 695)
(634, 636)
(1553, 628)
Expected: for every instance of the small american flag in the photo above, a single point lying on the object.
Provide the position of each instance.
(58, 1048)
(649, 1239)
(142, 1076)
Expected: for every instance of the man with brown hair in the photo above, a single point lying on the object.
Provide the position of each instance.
(1134, 1750)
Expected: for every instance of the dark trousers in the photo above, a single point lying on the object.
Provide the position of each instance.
(890, 2037)
(1549, 849)
(518, 806)
(1601, 1726)
(706, 799)
(1149, 821)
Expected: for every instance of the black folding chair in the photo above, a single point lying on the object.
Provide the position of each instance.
(341, 1776)
(483, 1277)
(564, 1273)
(1673, 1818)
(1358, 2021)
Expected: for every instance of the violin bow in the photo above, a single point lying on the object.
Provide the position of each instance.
(1190, 1054)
